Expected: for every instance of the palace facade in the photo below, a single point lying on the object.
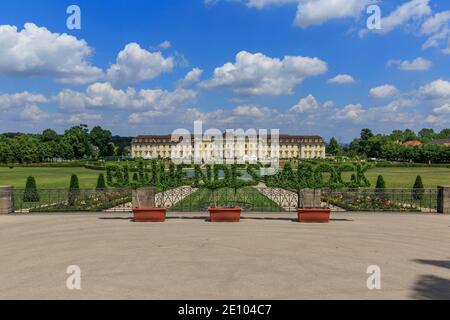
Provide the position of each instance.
(289, 147)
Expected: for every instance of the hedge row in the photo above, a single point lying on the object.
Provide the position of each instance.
(69, 164)
(409, 165)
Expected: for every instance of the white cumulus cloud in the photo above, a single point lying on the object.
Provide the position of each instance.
(191, 77)
(438, 89)
(418, 64)
(306, 104)
(383, 92)
(413, 10)
(444, 109)
(135, 64)
(316, 12)
(352, 112)
(342, 79)
(105, 96)
(36, 52)
(257, 74)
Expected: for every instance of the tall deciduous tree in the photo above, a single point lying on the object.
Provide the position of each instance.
(102, 139)
(78, 139)
(333, 147)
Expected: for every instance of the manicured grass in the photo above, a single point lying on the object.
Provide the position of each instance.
(48, 178)
(248, 198)
(405, 177)
(59, 178)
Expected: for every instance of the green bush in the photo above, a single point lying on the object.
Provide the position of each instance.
(109, 175)
(418, 189)
(380, 188)
(101, 184)
(31, 194)
(74, 190)
(380, 183)
(126, 174)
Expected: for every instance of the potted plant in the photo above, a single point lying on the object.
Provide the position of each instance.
(144, 194)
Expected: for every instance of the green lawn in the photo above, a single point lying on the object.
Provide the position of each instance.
(48, 178)
(59, 178)
(405, 177)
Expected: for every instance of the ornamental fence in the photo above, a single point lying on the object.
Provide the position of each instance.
(250, 199)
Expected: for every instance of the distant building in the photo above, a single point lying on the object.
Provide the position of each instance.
(442, 142)
(303, 147)
(413, 143)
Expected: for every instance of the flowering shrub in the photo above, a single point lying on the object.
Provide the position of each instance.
(96, 201)
(365, 201)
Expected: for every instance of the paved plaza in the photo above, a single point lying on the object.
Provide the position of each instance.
(266, 256)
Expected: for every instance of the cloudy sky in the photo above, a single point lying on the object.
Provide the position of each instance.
(301, 66)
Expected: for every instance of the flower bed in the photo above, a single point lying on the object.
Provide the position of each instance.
(354, 201)
(95, 201)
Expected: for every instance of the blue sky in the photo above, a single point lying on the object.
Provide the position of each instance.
(301, 66)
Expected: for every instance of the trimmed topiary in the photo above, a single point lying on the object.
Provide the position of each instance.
(380, 183)
(418, 189)
(126, 175)
(74, 190)
(380, 188)
(109, 175)
(101, 185)
(31, 194)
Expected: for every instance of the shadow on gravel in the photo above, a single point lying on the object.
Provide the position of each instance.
(431, 287)
(188, 218)
(269, 218)
(437, 263)
(207, 218)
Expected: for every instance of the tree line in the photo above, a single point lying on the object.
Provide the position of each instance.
(392, 147)
(76, 143)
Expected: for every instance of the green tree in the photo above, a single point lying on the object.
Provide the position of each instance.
(418, 189)
(31, 194)
(444, 134)
(102, 139)
(361, 145)
(333, 147)
(397, 135)
(49, 135)
(74, 190)
(427, 135)
(6, 153)
(101, 184)
(409, 135)
(375, 145)
(78, 140)
(366, 134)
(25, 149)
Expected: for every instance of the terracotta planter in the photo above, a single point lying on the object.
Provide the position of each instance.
(225, 214)
(149, 214)
(314, 215)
